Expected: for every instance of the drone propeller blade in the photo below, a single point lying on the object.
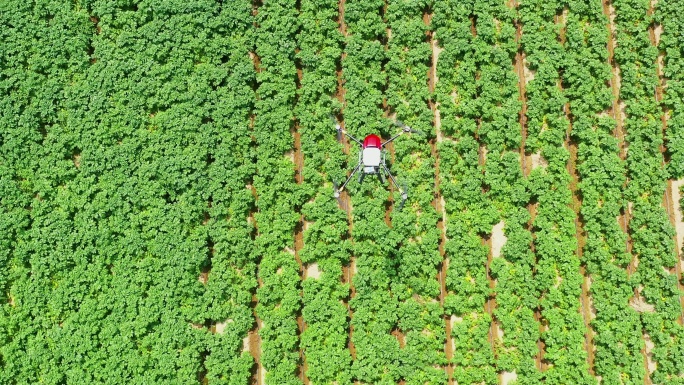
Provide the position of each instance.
(336, 193)
(401, 205)
(404, 196)
(337, 127)
(407, 128)
(401, 124)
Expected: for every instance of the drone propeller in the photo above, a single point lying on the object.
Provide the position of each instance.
(404, 196)
(406, 128)
(336, 194)
(336, 191)
(337, 127)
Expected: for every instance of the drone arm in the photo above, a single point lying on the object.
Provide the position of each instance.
(339, 190)
(340, 130)
(392, 138)
(353, 138)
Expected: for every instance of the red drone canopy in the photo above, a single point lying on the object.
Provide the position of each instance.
(372, 140)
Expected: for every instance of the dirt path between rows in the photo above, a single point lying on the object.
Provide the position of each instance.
(253, 339)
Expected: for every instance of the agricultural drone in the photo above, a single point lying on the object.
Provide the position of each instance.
(372, 158)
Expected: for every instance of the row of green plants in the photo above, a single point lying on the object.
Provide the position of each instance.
(557, 270)
(587, 75)
(34, 78)
(650, 229)
(420, 315)
(278, 196)
(469, 214)
(374, 306)
(670, 45)
(499, 107)
(324, 342)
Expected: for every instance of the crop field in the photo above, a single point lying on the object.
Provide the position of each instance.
(166, 192)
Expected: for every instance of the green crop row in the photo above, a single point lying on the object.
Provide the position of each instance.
(650, 229)
(667, 15)
(417, 258)
(324, 341)
(374, 306)
(499, 107)
(617, 330)
(557, 272)
(468, 211)
(278, 196)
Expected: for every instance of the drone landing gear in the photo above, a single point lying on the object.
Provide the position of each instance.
(381, 177)
(404, 195)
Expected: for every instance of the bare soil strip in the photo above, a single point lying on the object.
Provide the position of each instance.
(525, 162)
(618, 108)
(491, 299)
(96, 22)
(389, 207)
(348, 271)
(490, 303)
